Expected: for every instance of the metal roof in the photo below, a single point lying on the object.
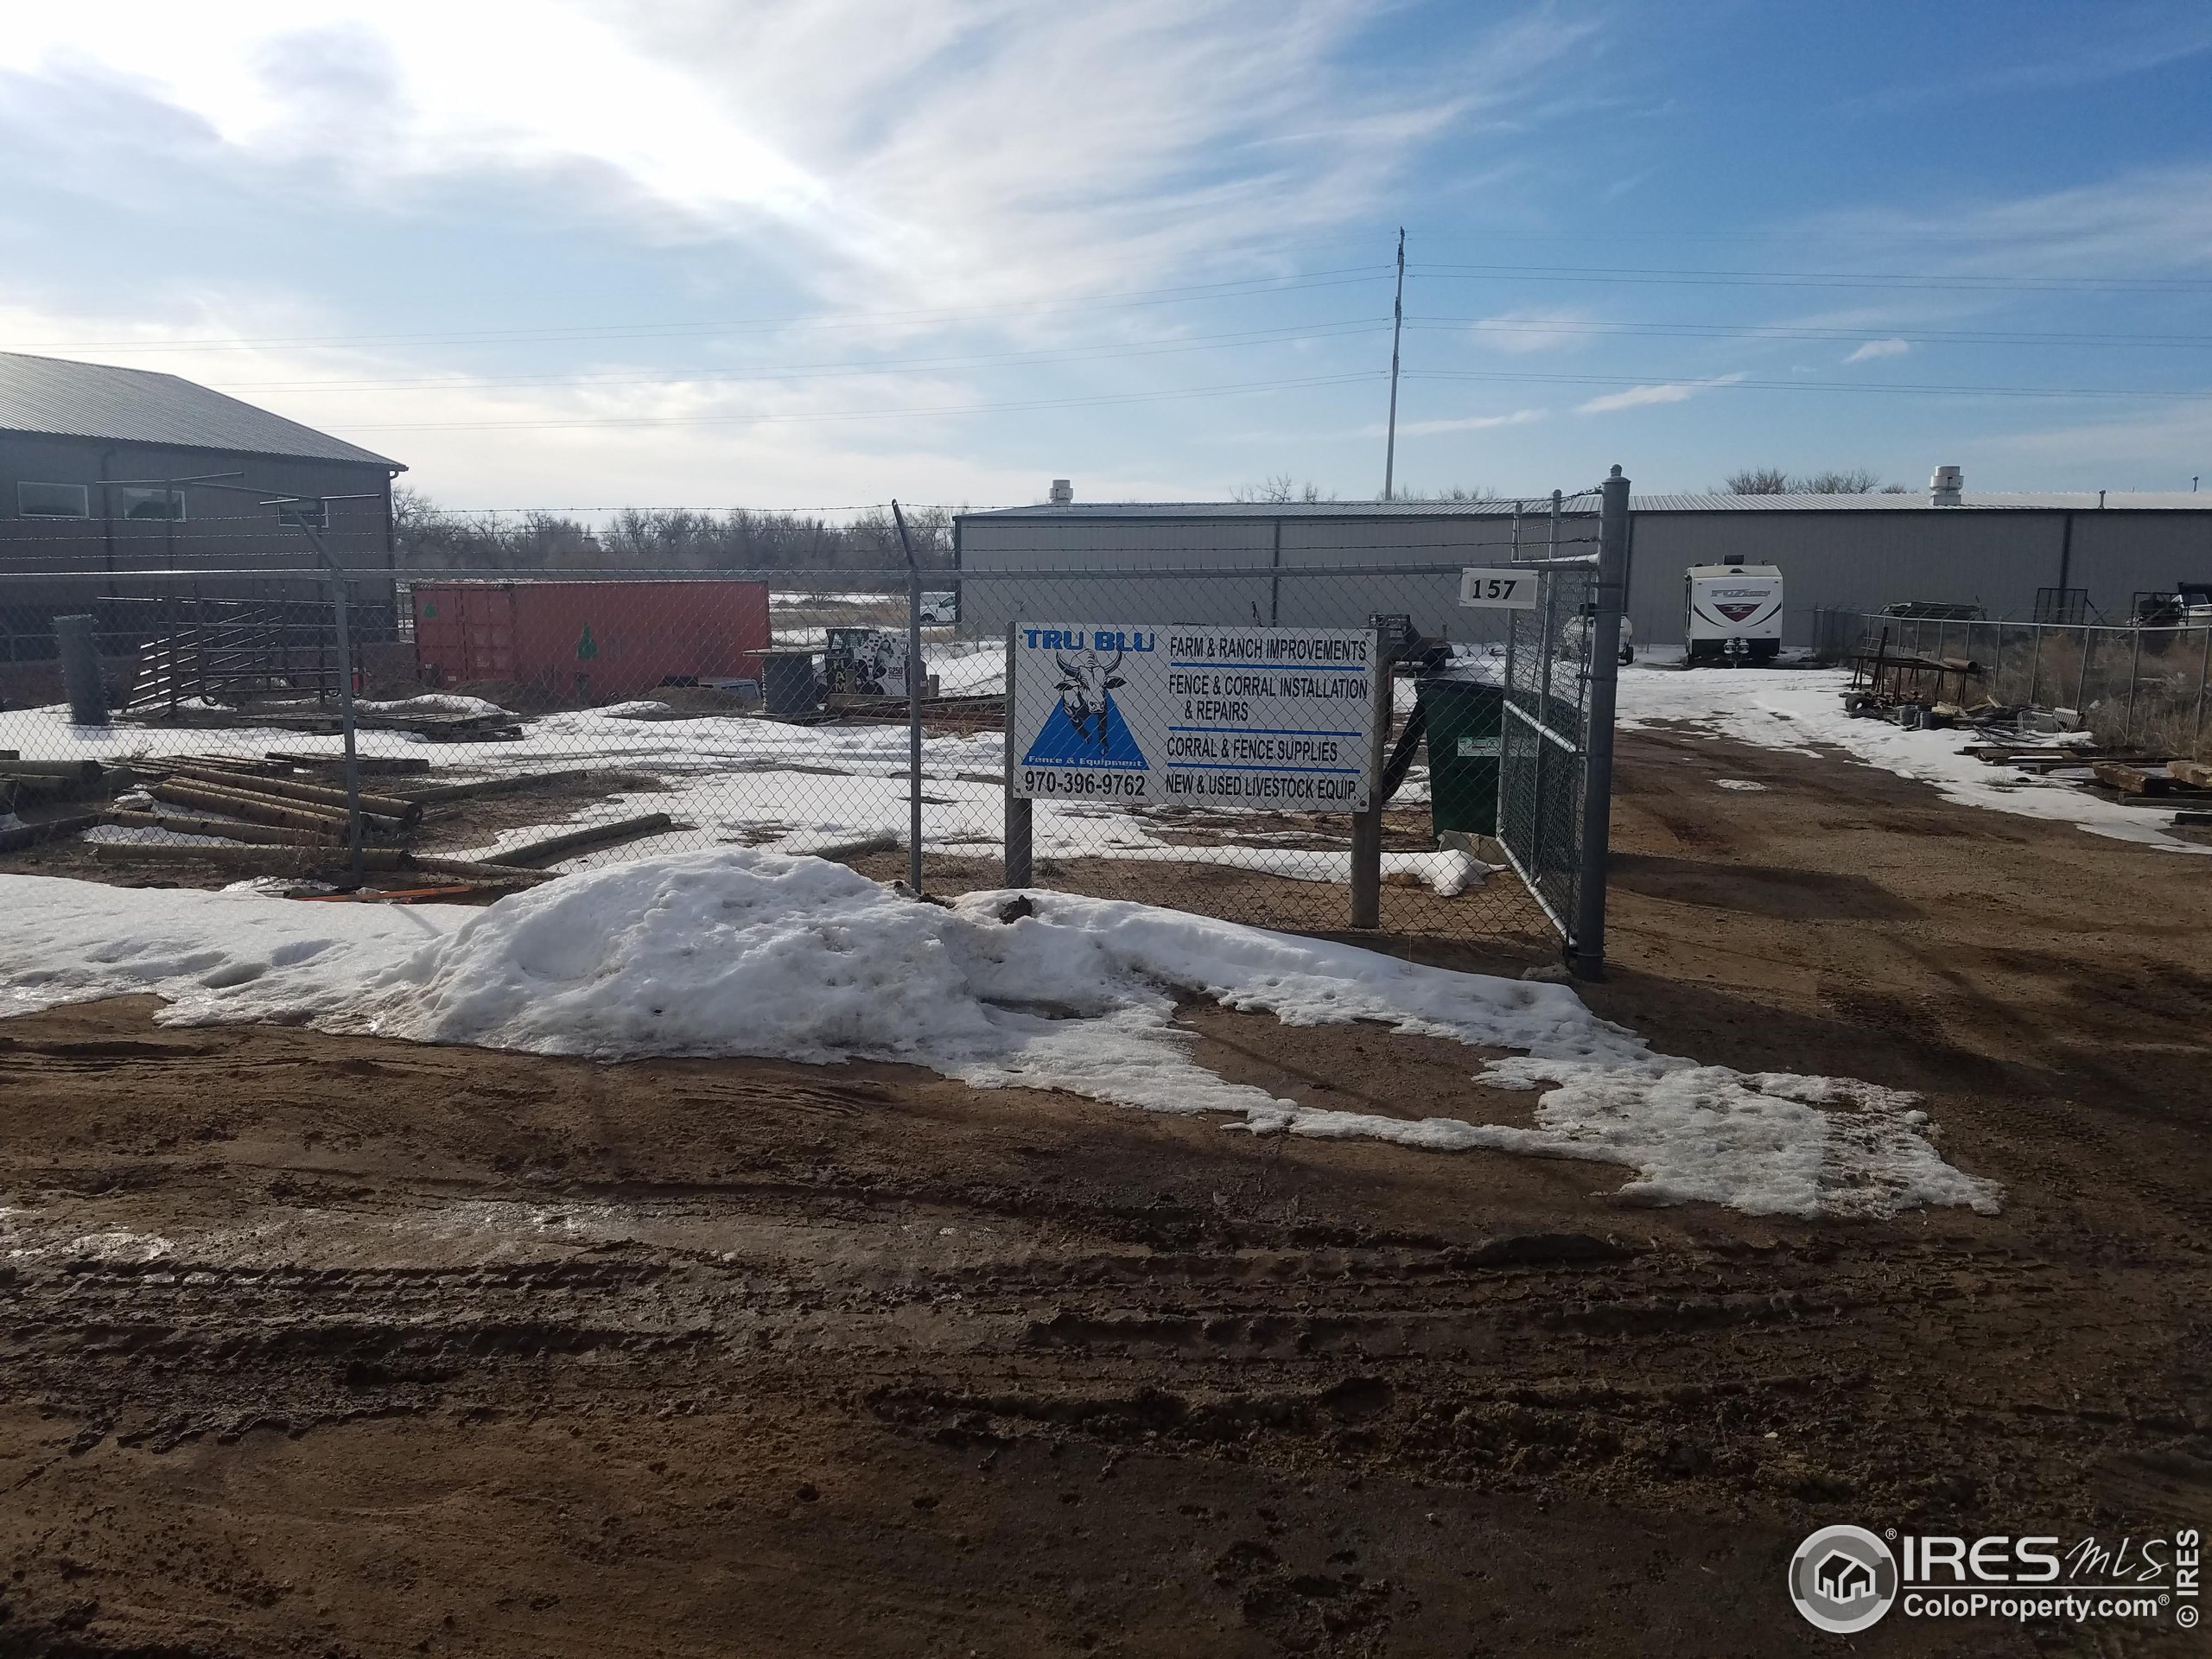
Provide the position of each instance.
(54, 396)
(1587, 503)
(1916, 501)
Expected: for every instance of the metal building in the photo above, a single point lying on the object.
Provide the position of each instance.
(1855, 552)
(106, 469)
(1288, 560)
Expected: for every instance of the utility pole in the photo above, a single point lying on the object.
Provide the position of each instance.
(1397, 327)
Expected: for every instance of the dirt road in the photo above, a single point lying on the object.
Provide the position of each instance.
(319, 1345)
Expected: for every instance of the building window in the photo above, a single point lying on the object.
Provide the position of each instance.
(157, 504)
(311, 514)
(53, 501)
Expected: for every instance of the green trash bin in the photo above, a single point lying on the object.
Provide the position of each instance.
(1465, 722)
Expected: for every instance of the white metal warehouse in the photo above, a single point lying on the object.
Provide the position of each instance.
(1849, 552)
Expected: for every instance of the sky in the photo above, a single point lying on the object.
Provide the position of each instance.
(820, 254)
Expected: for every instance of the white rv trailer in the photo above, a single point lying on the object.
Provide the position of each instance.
(1731, 611)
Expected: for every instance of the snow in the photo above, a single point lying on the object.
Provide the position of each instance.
(731, 779)
(1801, 710)
(744, 952)
(433, 702)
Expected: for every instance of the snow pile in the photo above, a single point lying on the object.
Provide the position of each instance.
(746, 952)
(435, 703)
(206, 953)
(1802, 711)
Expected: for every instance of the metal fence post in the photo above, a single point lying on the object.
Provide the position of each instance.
(2204, 673)
(356, 861)
(1608, 597)
(1367, 827)
(2034, 666)
(916, 679)
(2081, 685)
(1018, 807)
(2134, 679)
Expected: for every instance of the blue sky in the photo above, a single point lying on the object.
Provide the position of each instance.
(820, 253)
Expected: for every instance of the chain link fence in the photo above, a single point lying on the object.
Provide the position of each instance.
(503, 725)
(2131, 686)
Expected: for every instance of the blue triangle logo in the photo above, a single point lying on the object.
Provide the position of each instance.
(1105, 743)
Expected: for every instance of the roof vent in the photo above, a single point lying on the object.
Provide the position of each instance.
(1063, 492)
(1944, 487)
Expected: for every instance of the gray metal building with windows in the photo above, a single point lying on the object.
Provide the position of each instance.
(106, 469)
(1853, 552)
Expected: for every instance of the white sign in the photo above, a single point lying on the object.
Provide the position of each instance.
(1196, 716)
(1499, 590)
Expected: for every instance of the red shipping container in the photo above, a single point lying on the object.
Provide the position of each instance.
(589, 642)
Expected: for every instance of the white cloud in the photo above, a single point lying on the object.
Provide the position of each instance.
(967, 150)
(1464, 423)
(894, 163)
(2143, 224)
(1665, 391)
(1878, 348)
(1520, 334)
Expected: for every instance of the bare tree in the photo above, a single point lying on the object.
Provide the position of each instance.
(679, 538)
(1281, 487)
(1857, 480)
(1451, 493)
(1773, 480)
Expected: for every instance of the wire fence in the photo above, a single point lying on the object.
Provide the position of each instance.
(2131, 686)
(1186, 731)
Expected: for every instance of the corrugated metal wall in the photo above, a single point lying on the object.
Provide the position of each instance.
(1835, 557)
(1853, 561)
(1862, 560)
(1276, 551)
(220, 530)
(2119, 555)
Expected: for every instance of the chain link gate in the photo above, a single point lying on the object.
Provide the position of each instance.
(1543, 742)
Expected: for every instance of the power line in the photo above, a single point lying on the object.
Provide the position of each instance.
(1510, 324)
(1717, 382)
(1822, 279)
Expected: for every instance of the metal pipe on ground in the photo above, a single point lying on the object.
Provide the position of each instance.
(386, 806)
(597, 835)
(367, 763)
(254, 808)
(29, 834)
(82, 771)
(258, 835)
(303, 860)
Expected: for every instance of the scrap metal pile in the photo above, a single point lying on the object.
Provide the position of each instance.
(1910, 689)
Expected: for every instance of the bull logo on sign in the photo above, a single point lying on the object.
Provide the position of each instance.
(1086, 690)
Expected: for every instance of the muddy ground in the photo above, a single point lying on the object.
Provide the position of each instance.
(313, 1345)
